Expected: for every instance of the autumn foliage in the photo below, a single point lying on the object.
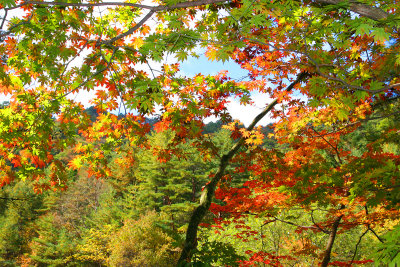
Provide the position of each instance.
(330, 67)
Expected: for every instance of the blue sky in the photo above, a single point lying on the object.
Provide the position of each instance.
(245, 114)
(202, 65)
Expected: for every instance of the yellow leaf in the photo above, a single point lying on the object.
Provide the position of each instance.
(137, 43)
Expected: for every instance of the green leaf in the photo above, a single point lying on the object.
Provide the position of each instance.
(199, 79)
(342, 114)
(181, 56)
(7, 3)
(380, 35)
(363, 29)
(375, 85)
(313, 102)
(360, 94)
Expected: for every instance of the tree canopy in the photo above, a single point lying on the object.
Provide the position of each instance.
(331, 66)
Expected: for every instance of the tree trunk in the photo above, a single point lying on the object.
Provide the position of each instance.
(331, 240)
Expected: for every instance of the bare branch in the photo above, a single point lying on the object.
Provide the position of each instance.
(358, 243)
(152, 8)
(362, 9)
(332, 235)
(375, 234)
(66, 4)
(297, 225)
(93, 75)
(4, 19)
(329, 143)
(372, 230)
(319, 227)
(8, 32)
(189, 4)
(128, 32)
(72, 59)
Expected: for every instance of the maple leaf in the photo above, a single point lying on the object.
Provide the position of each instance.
(75, 163)
(16, 162)
(324, 70)
(211, 53)
(161, 126)
(245, 133)
(137, 42)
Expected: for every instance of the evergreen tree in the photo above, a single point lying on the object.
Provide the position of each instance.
(170, 186)
(19, 207)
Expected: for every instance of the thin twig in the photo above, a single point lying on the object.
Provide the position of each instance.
(319, 227)
(357, 122)
(4, 19)
(369, 227)
(92, 76)
(72, 59)
(329, 143)
(294, 224)
(8, 32)
(153, 8)
(358, 243)
(128, 32)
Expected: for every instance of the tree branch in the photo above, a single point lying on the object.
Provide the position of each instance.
(152, 8)
(3, 19)
(358, 243)
(92, 76)
(319, 227)
(297, 225)
(335, 148)
(372, 230)
(362, 9)
(8, 32)
(209, 190)
(128, 32)
(327, 253)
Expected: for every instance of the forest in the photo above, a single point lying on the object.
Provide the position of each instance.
(156, 171)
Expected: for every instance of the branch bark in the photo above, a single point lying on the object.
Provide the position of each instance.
(327, 253)
(313, 227)
(362, 9)
(209, 190)
(152, 8)
(128, 32)
(358, 243)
